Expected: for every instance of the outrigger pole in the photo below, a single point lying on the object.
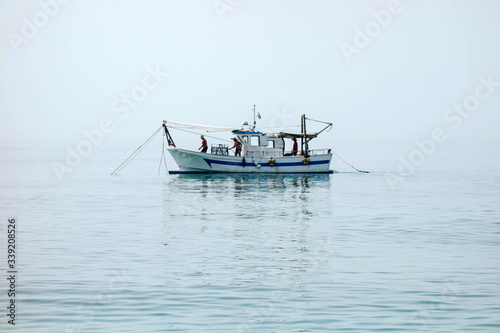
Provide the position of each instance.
(303, 131)
(170, 141)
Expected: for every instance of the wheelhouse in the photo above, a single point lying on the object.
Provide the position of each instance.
(258, 144)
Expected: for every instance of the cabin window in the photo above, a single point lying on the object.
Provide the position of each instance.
(254, 140)
(270, 144)
(245, 138)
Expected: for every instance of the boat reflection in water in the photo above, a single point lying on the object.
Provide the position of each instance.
(247, 230)
(253, 196)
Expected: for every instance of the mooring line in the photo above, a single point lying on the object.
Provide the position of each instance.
(162, 157)
(349, 164)
(135, 153)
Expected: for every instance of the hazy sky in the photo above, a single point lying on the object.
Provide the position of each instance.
(376, 69)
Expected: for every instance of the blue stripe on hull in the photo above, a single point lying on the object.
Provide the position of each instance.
(211, 161)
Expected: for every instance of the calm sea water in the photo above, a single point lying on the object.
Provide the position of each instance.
(140, 252)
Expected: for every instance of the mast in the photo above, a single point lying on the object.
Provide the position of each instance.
(254, 122)
(303, 132)
(304, 139)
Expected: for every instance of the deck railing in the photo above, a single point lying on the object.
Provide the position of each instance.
(322, 151)
(220, 149)
(267, 154)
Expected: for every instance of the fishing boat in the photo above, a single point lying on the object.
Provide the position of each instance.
(260, 152)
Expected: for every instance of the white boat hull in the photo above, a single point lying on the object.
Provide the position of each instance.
(196, 162)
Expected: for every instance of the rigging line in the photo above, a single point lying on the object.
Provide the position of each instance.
(349, 164)
(319, 121)
(162, 157)
(269, 127)
(209, 136)
(135, 153)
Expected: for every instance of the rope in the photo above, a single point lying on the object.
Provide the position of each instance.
(349, 164)
(135, 153)
(162, 157)
(319, 121)
(268, 127)
(208, 136)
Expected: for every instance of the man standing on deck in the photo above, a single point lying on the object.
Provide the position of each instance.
(295, 147)
(204, 145)
(237, 146)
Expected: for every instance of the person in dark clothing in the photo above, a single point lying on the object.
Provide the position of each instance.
(204, 145)
(295, 147)
(237, 146)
